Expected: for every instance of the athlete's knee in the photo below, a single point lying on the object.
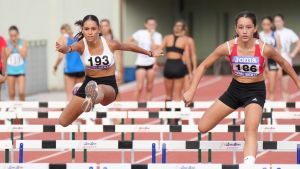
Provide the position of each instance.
(250, 132)
(22, 94)
(149, 87)
(11, 94)
(203, 128)
(63, 122)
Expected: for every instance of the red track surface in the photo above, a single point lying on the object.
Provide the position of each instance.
(211, 88)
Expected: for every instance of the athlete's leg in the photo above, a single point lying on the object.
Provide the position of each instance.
(11, 82)
(177, 91)
(217, 112)
(69, 84)
(140, 80)
(150, 81)
(253, 113)
(272, 77)
(21, 86)
(169, 85)
(71, 112)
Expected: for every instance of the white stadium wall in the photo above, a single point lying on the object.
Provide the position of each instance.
(38, 20)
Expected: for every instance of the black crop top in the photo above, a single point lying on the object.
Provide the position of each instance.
(174, 48)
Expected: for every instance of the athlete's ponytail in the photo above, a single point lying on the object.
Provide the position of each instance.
(256, 35)
(79, 35)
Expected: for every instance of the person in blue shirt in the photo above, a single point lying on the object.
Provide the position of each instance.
(73, 68)
(15, 63)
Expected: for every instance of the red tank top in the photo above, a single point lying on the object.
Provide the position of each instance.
(246, 65)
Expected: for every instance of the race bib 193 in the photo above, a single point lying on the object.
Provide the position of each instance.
(245, 65)
(98, 62)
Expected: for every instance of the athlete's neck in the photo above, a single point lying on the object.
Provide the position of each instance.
(178, 34)
(267, 31)
(107, 36)
(280, 28)
(246, 45)
(93, 44)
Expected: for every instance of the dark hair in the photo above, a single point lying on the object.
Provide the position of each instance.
(269, 18)
(250, 15)
(110, 31)
(13, 28)
(80, 23)
(279, 15)
(150, 18)
(185, 28)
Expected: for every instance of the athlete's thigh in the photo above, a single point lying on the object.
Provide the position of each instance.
(72, 110)
(109, 94)
(217, 112)
(253, 113)
(150, 76)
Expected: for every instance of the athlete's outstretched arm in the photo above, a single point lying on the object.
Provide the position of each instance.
(272, 53)
(78, 47)
(201, 69)
(134, 48)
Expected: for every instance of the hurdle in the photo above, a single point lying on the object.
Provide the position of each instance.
(185, 115)
(198, 166)
(144, 166)
(49, 166)
(184, 128)
(5, 105)
(146, 145)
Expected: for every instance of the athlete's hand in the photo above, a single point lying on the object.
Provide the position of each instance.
(157, 53)
(188, 96)
(3, 78)
(54, 70)
(62, 48)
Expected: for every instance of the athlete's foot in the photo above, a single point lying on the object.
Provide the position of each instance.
(91, 92)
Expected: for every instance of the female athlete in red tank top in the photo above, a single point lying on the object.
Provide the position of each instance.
(247, 88)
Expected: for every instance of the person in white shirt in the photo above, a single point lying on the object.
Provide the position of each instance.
(270, 37)
(146, 67)
(287, 38)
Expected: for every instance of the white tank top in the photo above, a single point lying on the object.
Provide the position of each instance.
(99, 61)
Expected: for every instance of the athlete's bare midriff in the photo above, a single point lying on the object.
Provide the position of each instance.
(244, 79)
(100, 73)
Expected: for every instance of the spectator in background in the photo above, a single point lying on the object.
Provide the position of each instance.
(15, 63)
(73, 68)
(287, 38)
(146, 67)
(270, 37)
(178, 61)
(193, 59)
(3, 45)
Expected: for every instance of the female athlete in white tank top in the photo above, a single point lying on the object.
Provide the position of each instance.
(100, 84)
